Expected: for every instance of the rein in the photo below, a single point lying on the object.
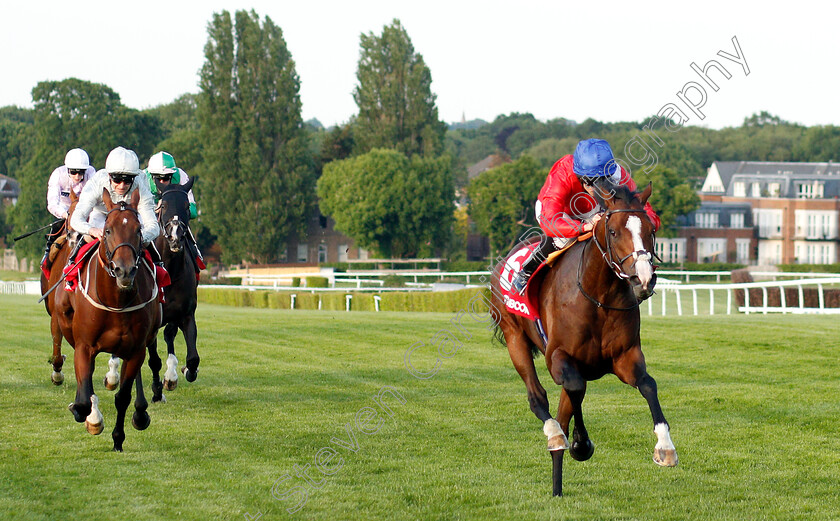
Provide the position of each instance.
(610, 258)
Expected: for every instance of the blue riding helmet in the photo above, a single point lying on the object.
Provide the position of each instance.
(594, 158)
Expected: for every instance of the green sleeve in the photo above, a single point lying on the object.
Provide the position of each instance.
(193, 211)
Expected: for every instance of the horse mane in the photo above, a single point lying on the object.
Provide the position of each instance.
(618, 192)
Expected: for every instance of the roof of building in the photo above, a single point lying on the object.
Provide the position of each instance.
(9, 187)
(787, 175)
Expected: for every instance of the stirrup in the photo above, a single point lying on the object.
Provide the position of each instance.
(520, 282)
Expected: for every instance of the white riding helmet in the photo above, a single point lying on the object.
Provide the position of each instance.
(122, 161)
(76, 159)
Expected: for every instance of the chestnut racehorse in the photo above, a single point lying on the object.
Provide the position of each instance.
(114, 309)
(590, 312)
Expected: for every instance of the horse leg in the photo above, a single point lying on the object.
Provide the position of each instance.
(140, 419)
(190, 335)
(170, 378)
(57, 359)
(630, 368)
(130, 370)
(112, 377)
(155, 364)
(571, 401)
(523, 361)
(86, 407)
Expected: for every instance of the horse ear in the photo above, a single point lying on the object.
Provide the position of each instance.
(189, 184)
(106, 198)
(135, 198)
(73, 196)
(645, 194)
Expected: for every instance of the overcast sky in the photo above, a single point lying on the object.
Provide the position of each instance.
(612, 61)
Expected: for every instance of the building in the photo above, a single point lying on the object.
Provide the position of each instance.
(792, 210)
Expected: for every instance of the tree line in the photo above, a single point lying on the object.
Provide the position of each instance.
(393, 177)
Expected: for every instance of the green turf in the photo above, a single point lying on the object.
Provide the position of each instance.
(753, 404)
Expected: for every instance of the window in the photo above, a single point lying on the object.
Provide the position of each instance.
(742, 251)
(671, 250)
(363, 254)
(814, 252)
(711, 250)
(739, 189)
(774, 189)
(322, 253)
(706, 220)
(810, 190)
(303, 253)
(769, 222)
(769, 252)
(756, 190)
(736, 220)
(812, 224)
(342, 252)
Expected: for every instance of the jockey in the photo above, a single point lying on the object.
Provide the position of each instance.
(120, 178)
(566, 208)
(160, 173)
(71, 176)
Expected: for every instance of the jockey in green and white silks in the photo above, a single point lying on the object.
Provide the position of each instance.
(162, 171)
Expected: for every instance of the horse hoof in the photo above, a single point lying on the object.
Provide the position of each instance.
(94, 428)
(582, 451)
(161, 398)
(140, 421)
(559, 442)
(78, 416)
(170, 385)
(108, 385)
(665, 457)
(118, 449)
(189, 375)
(57, 378)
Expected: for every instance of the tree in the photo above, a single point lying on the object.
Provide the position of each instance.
(258, 172)
(68, 114)
(17, 131)
(672, 196)
(387, 202)
(396, 105)
(502, 201)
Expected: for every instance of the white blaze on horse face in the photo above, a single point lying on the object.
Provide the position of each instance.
(643, 268)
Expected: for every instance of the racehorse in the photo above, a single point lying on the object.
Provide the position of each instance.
(56, 274)
(590, 313)
(181, 294)
(114, 309)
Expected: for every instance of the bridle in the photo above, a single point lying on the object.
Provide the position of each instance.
(172, 225)
(109, 253)
(615, 263)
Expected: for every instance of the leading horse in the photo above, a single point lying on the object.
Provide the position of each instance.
(590, 311)
(114, 309)
(181, 295)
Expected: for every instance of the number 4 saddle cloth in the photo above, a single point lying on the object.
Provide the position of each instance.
(527, 304)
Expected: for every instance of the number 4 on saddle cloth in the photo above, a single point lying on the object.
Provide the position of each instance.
(527, 304)
(71, 271)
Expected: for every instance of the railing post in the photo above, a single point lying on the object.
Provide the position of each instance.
(712, 301)
(747, 301)
(822, 296)
(764, 292)
(694, 300)
(663, 302)
(376, 299)
(783, 299)
(729, 301)
(293, 296)
(801, 297)
(347, 299)
(679, 302)
(650, 306)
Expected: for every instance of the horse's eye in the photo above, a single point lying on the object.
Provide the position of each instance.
(612, 232)
(107, 231)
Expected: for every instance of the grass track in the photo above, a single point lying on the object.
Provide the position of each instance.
(753, 402)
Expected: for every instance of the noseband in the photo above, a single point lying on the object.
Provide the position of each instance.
(609, 256)
(109, 253)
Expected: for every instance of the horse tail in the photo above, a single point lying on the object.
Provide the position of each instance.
(498, 335)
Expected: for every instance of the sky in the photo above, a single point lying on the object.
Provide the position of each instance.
(612, 61)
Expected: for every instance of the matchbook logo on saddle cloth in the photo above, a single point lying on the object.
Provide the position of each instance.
(527, 305)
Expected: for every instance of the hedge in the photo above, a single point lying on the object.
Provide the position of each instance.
(441, 301)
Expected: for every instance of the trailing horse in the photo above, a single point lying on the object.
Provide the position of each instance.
(589, 309)
(181, 295)
(115, 310)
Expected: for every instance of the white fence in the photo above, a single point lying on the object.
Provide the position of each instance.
(27, 287)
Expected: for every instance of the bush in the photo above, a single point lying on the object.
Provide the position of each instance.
(394, 281)
(295, 282)
(810, 268)
(317, 282)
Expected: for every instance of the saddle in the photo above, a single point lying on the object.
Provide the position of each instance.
(527, 305)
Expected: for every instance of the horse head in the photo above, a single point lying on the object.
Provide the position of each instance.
(625, 236)
(174, 214)
(121, 239)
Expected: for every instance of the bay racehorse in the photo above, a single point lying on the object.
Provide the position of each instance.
(56, 274)
(181, 294)
(114, 309)
(590, 311)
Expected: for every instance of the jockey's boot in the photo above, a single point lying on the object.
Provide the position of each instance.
(546, 248)
(54, 233)
(192, 246)
(153, 251)
(72, 258)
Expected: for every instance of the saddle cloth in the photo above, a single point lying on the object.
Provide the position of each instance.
(527, 304)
